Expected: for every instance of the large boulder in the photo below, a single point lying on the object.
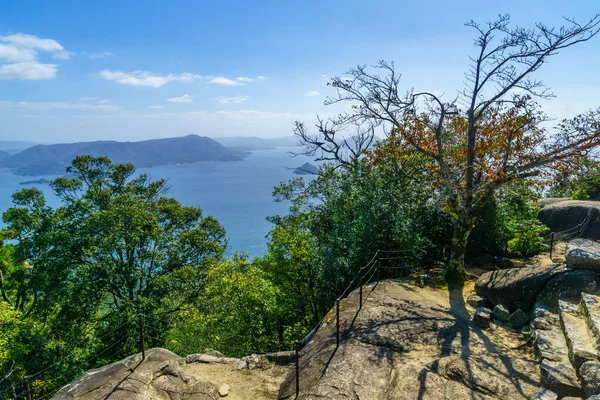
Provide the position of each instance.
(158, 376)
(516, 287)
(563, 215)
(567, 286)
(583, 254)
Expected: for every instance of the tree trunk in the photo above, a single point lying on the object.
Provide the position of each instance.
(456, 266)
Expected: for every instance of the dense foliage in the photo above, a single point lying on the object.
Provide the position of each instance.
(75, 279)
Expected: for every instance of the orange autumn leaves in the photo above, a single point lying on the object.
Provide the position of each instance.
(509, 144)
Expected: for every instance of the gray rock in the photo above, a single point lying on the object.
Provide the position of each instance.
(501, 313)
(224, 390)
(482, 317)
(583, 254)
(590, 378)
(212, 352)
(518, 319)
(545, 394)
(516, 287)
(560, 378)
(208, 359)
(568, 286)
(242, 364)
(579, 343)
(476, 301)
(134, 379)
(590, 307)
(550, 344)
(543, 318)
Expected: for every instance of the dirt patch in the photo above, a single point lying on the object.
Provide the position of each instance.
(244, 384)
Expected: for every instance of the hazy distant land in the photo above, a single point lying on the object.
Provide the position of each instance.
(53, 159)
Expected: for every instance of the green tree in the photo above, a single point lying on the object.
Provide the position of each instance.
(116, 247)
(492, 134)
(236, 313)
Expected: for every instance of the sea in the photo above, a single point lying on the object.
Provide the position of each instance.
(237, 193)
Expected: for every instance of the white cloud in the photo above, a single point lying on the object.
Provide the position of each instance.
(232, 100)
(41, 106)
(145, 78)
(186, 98)
(63, 55)
(32, 42)
(261, 78)
(244, 79)
(21, 50)
(312, 93)
(224, 81)
(156, 107)
(13, 53)
(100, 54)
(31, 70)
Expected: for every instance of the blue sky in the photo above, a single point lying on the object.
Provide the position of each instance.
(131, 70)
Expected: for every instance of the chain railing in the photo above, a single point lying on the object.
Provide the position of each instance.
(568, 234)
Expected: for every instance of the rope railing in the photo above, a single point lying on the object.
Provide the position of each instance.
(147, 329)
(568, 234)
(365, 274)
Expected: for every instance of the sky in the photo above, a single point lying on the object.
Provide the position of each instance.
(132, 70)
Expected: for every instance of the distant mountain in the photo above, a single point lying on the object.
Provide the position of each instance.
(15, 145)
(4, 154)
(307, 169)
(256, 143)
(53, 159)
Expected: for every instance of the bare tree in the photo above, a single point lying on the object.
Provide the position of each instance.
(491, 133)
(329, 144)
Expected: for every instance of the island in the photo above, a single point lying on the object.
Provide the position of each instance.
(53, 159)
(42, 181)
(307, 169)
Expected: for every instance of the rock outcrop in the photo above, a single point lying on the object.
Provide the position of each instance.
(583, 254)
(409, 342)
(159, 376)
(567, 214)
(516, 287)
(164, 375)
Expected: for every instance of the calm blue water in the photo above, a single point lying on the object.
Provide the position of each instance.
(238, 194)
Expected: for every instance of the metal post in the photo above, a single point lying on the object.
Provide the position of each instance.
(141, 326)
(297, 371)
(578, 230)
(506, 249)
(360, 290)
(27, 387)
(378, 270)
(337, 323)
(551, 244)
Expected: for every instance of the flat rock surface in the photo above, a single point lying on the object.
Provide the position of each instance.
(574, 327)
(517, 287)
(409, 342)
